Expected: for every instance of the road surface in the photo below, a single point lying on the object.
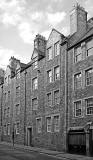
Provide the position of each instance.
(12, 153)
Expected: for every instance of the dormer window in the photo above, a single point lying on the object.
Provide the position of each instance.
(56, 49)
(49, 53)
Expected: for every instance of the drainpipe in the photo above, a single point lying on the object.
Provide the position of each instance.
(66, 97)
(25, 111)
(1, 111)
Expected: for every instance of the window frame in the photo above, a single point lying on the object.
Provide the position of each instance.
(34, 84)
(17, 130)
(86, 100)
(75, 109)
(48, 54)
(77, 83)
(8, 112)
(56, 130)
(17, 109)
(56, 73)
(88, 78)
(56, 50)
(55, 91)
(5, 112)
(77, 55)
(49, 78)
(9, 95)
(17, 91)
(36, 107)
(5, 129)
(39, 130)
(49, 102)
(49, 125)
(88, 49)
(8, 129)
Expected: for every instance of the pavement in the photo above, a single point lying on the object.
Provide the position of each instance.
(59, 155)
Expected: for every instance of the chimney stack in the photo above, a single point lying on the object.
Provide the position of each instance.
(78, 20)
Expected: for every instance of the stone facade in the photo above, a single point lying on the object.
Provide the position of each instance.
(39, 99)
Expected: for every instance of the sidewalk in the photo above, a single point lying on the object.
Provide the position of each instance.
(49, 152)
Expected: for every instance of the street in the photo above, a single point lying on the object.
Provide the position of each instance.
(10, 153)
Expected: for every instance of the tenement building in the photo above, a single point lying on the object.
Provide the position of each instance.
(49, 101)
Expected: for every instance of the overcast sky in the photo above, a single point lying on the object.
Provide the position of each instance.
(21, 20)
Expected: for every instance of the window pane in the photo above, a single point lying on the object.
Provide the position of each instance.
(49, 99)
(49, 52)
(17, 109)
(48, 124)
(17, 91)
(56, 49)
(77, 81)
(8, 129)
(89, 106)
(78, 110)
(8, 111)
(78, 54)
(35, 104)
(90, 52)
(89, 76)
(5, 129)
(89, 44)
(17, 127)
(35, 83)
(56, 123)
(39, 125)
(56, 97)
(49, 76)
(56, 73)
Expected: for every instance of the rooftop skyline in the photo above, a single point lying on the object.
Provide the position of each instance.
(20, 21)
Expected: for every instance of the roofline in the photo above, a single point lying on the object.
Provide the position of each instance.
(29, 65)
(79, 42)
(57, 31)
(53, 29)
(26, 67)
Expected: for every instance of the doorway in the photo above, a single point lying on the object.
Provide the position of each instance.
(91, 142)
(29, 136)
(77, 142)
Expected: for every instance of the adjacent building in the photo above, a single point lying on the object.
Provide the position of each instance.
(49, 101)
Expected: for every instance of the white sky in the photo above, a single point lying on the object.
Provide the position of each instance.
(21, 20)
